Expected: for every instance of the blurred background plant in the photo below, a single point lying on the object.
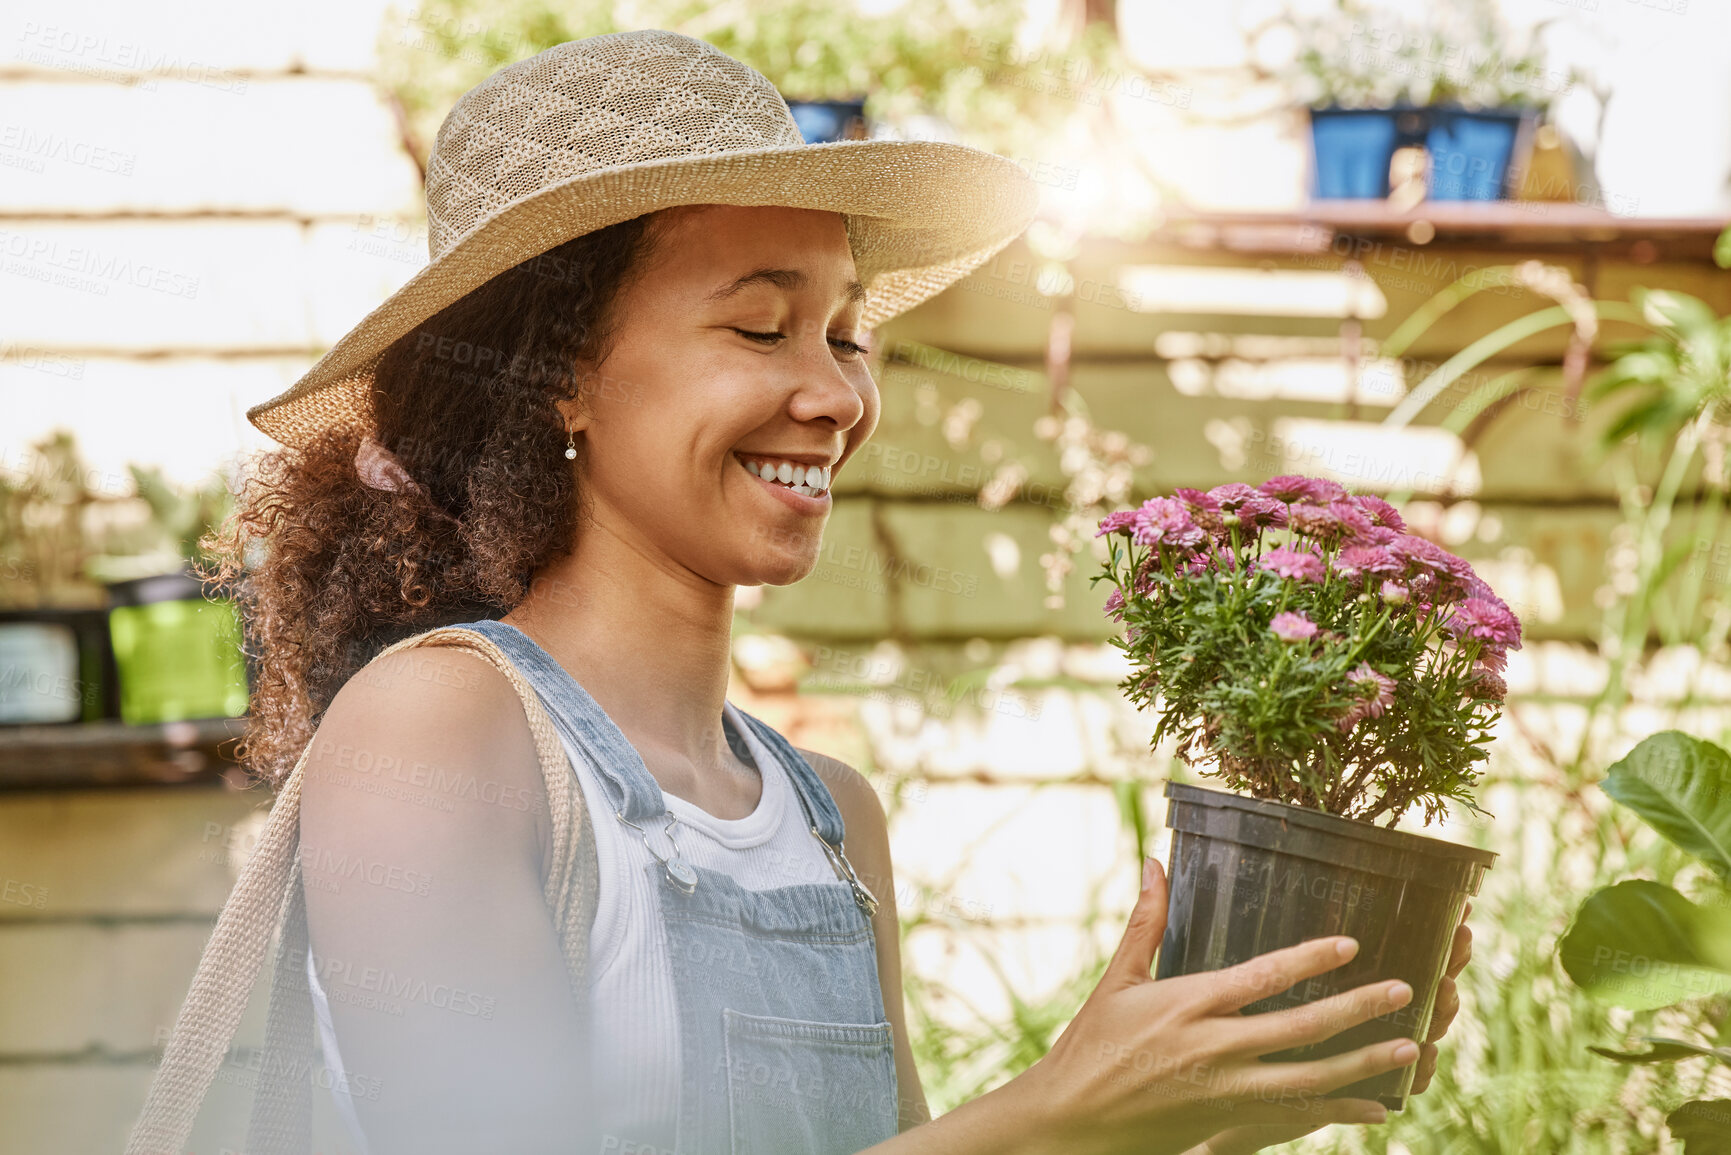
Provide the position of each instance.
(66, 528)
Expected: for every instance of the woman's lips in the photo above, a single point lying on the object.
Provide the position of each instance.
(796, 501)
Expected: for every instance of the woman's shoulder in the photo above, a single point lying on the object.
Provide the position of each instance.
(433, 741)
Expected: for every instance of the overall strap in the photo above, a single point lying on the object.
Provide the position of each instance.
(268, 897)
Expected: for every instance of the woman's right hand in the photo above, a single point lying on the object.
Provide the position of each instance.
(1162, 1066)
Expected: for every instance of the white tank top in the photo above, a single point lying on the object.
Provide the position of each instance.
(635, 1028)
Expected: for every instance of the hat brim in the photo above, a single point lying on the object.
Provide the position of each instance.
(920, 215)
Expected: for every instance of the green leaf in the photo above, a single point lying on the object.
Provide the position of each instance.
(1681, 787)
(1703, 1125)
(1678, 312)
(1642, 945)
(1665, 1051)
(1722, 250)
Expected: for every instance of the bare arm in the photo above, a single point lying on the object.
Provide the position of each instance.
(1158, 1068)
(423, 829)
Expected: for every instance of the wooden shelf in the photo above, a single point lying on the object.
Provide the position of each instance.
(1334, 226)
(116, 754)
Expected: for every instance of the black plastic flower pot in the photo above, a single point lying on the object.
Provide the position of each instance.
(1248, 876)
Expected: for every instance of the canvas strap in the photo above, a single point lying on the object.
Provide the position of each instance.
(268, 901)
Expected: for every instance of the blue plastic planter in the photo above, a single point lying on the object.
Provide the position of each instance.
(822, 121)
(1470, 152)
(1352, 149)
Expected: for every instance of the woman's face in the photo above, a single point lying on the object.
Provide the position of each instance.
(734, 344)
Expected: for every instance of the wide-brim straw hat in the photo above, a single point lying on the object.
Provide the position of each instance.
(593, 132)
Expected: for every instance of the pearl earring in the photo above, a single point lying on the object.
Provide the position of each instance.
(570, 446)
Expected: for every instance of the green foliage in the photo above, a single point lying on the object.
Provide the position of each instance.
(1667, 381)
(1642, 944)
(1461, 53)
(945, 59)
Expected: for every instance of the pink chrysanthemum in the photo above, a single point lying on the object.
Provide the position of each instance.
(1356, 561)
(1292, 627)
(1379, 511)
(1253, 509)
(1376, 694)
(1486, 684)
(1482, 618)
(1395, 594)
(1292, 563)
(1217, 560)
(1291, 487)
(1165, 521)
(1115, 606)
(1123, 521)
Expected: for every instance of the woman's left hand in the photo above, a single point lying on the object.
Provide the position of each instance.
(1245, 1140)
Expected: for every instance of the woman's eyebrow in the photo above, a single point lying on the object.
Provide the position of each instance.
(788, 279)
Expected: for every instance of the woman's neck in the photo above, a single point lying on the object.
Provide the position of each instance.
(652, 645)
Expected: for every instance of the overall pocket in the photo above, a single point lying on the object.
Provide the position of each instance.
(808, 1087)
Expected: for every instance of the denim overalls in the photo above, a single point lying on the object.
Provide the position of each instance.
(785, 1044)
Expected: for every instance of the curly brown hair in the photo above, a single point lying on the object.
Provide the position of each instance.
(340, 570)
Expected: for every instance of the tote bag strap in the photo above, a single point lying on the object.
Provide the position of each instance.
(268, 896)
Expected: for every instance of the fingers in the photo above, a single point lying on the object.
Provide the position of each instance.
(1244, 1140)
(1238, 986)
(1317, 1076)
(1134, 958)
(1448, 1004)
(1313, 1022)
(1426, 1068)
(1460, 951)
(1288, 1108)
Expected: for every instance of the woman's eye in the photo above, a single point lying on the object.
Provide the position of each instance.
(851, 346)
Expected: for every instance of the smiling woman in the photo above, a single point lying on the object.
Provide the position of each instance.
(541, 886)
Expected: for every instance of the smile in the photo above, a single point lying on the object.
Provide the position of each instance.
(809, 480)
(808, 483)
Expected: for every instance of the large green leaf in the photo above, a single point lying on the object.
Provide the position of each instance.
(1665, 1051)
(1642, 945)
(1681, 787)
(1704, 1126)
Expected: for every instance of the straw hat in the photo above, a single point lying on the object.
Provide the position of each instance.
(598, 131)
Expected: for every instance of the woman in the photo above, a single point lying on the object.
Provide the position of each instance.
(623, 388)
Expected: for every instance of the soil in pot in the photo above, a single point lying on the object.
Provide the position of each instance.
(1248, 876)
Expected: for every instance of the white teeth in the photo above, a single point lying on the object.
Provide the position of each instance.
(810, 480)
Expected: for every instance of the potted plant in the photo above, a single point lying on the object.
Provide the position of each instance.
(1455, 84)
(1330, 669)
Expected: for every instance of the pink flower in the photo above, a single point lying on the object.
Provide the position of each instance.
(1217, 560)
(1356, 561)
(1482, 618)
(1375, 694)
(1335, 522)
(1379, 511)
(1394, 593)
(1486, 685)
(1253, 509)
(1115, 605)
(1292, 627)
(1165, 521)
(1292, 563)
(1123, 521)
(1291, 487)
(1421, 553)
